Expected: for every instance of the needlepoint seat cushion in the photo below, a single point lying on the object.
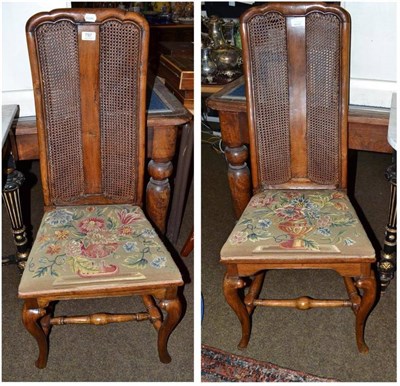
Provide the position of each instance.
(299, 224)
(81, 247)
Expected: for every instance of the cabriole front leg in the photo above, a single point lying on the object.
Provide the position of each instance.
(173, 307)
(231, 286)
(32, 313)
(368, 285)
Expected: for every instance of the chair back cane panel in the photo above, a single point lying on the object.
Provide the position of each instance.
(270, 96)
(116, 152)
(119, 90)
(58, 57)
(278, 87)
(323, 93)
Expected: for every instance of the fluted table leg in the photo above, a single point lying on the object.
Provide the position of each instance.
(387, 262)
(12, 201)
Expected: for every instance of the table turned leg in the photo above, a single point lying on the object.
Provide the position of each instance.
(12, 201)
(387, 262)
(238, 177)
(158, 193)
(231, 286)
(173, 307)
(189, 244)
(368, 285)
(236, 154)
(160, 169)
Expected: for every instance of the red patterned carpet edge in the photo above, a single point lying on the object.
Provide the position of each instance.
(220, 366)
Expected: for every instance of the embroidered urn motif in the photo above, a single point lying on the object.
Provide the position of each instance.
(300, 220)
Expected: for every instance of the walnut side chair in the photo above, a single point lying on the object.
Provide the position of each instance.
(89, 71)
(296, 69)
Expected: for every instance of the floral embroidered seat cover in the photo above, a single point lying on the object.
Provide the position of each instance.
(305, 224)
(96, 246)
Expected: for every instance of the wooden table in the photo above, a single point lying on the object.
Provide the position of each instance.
(165, 115)
(367, 131)
(177, 70)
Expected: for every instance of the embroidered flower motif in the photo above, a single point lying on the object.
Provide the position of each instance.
(149, 233)
(256, 201)
(43, 238)
(130, 247)
(239, 238)
(324, 231)
(324, 222)
(100, 237)
(261, 201)
(53, 249)
(309, 209)
(128, 218)
(91, 224)
(73, 248)
(289, 212)
(61, 235)
(125, 230)
(337, 195)
(159, 262)
(301, 202)
(291, 194)
(340, 206)
(348, 241)
(59, 218)
(264, 223)
(96, 241)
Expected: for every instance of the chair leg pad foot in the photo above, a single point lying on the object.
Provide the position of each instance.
(166, 359)
(242, 346)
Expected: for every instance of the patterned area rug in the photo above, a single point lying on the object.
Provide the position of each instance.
(220, 366)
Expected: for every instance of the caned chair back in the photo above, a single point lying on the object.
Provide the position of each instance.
(89, 70)
(296, 65)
